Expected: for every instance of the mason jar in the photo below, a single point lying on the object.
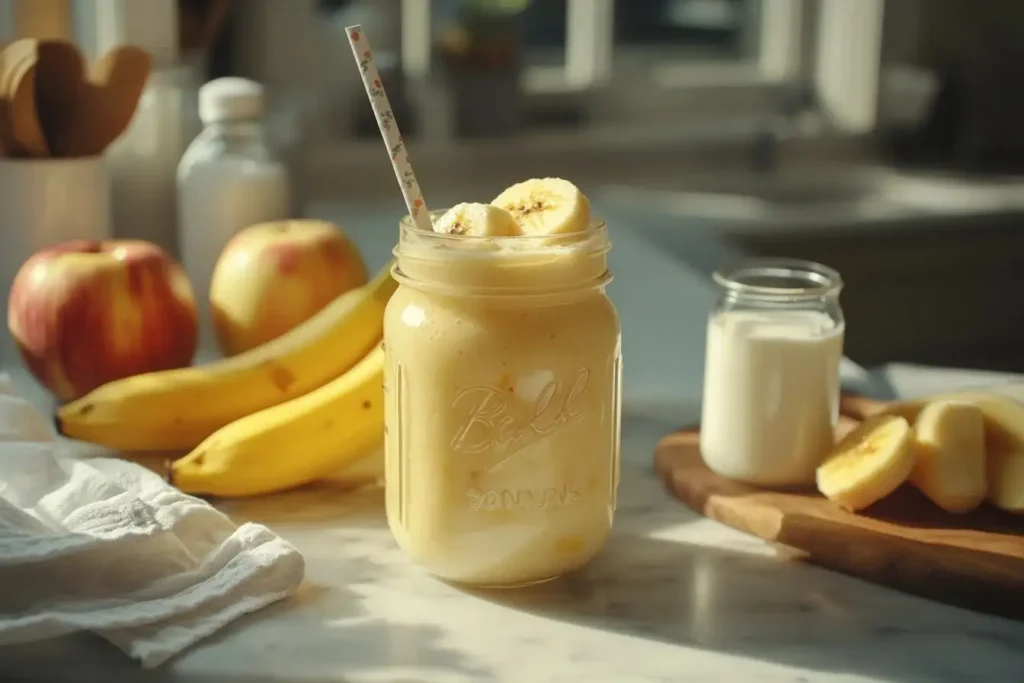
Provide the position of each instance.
(771, 371)
(502, 404)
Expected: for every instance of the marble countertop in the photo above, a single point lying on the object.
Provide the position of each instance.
(673, 597)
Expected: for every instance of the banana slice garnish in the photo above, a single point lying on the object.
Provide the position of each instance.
(949, 463)
(477, 220)
(546, 206)
(869, 463)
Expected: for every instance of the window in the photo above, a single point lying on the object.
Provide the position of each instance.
(714, 27)
(632, 60)
(544, 27)
(644, 65)
(619, 55)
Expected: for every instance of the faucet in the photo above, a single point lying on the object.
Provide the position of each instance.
(793, 105)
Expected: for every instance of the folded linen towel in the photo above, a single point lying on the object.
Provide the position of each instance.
(107, 546)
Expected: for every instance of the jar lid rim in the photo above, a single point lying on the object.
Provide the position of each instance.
(408, 225)
(815, 279)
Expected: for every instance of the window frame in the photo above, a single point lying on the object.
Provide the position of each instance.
(660, 85)
(833, 44)
(592, 59)
(591, 54)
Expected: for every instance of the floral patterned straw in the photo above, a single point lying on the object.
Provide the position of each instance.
(388, 127)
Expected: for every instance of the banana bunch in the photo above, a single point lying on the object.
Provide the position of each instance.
(178, 409)
(307, 438)
(958, 449)
(307, 404)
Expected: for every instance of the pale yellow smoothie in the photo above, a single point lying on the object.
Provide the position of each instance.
(503, 404)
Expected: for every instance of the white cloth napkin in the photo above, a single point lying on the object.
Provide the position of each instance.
(106, 545)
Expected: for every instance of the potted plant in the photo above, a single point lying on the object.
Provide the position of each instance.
(481, 51)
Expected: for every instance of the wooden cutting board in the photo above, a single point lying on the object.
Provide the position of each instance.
(905, 542)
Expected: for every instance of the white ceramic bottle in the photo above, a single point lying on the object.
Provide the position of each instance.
(228, 179)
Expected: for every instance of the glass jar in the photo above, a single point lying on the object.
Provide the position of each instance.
(771, 371)
(502, 404)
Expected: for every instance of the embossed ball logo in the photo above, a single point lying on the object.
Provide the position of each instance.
(503, 423)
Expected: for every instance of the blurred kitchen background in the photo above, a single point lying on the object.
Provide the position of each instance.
(882, 137)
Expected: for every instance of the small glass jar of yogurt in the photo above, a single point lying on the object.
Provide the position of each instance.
(771, 371)
(502, 403)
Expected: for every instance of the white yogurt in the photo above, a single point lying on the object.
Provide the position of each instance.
(771, 394)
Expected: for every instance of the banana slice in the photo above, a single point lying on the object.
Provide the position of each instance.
(949, 464)
(1006, 480)
(1004, 417)
(477, 220)
(869, 463)
(546, 206)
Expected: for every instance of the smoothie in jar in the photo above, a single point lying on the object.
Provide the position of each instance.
(503, 390)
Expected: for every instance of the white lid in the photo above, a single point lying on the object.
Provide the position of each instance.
(230, 98)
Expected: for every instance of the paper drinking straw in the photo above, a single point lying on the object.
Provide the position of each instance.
(388, 127)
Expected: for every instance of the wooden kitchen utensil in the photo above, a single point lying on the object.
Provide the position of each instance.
(974, 560)
(108, 99)
(59, 79)
(28, 130)
(19, 124)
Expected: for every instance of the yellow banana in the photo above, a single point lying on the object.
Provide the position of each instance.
(546, 206)
(1004, 441)
(177, 409)
(477, 220)
(949, 464)
(1004, 449)
(294, 443)
(1003, 416)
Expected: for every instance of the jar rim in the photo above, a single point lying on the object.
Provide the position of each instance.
(519, 265)
(407, 226)
(793, 278)
(403, 278)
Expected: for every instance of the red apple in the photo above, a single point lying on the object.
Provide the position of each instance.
(273, 276)
(85, 313)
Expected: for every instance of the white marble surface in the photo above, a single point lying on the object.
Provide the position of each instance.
(673, 597)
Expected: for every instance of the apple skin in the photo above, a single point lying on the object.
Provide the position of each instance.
(273, 276)
(85, 313)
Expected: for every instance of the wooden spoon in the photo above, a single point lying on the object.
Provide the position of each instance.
(108, 99)
(59, 80)
(19, 125)
(28, 131)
